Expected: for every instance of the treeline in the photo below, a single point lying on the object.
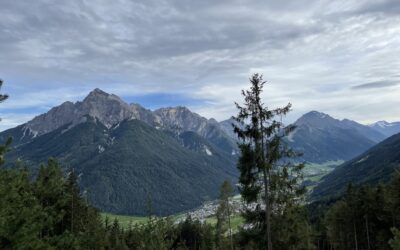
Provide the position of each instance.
(364, 218)
(49, 212)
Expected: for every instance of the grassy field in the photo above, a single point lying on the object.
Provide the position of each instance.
(314, 172)
(124, 220)
(236, 221)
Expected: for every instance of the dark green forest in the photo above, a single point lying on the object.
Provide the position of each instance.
(157, 155)
(46, 209)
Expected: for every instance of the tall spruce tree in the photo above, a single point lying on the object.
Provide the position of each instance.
(268, 178)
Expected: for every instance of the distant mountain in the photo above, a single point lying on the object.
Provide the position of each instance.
(227, 126)
(322, 138)
(127, 154)
(372, 167)
(109, 109)
(386, 128)
(182, 119)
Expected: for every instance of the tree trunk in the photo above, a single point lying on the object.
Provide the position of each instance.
(267, 211)
(355, 235)
(229, 224)
(366, 225)
(266, 187)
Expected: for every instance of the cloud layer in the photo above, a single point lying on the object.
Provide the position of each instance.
(339, 57)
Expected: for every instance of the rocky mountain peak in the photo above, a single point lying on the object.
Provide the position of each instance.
(317, 119)
(381, 124)
(98, 95)
(386, 128)
(98, 91)
(107, 108)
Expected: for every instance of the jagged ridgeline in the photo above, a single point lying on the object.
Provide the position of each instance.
(127, 155)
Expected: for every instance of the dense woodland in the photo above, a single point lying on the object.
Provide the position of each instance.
(48, 211)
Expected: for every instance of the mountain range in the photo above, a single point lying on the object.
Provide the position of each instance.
(127, 154)
(322, 138)
(109, 109)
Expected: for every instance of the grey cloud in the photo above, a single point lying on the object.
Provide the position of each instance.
(301, 46)
(377, 84)
(380, 6)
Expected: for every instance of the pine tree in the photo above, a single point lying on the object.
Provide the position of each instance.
(3, 97)
(20, 212)
(76, 208)
(395, 242)
(224, 212)
(267, 178)
(3, 148)
(50, 192)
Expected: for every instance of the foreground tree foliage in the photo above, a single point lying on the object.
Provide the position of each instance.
(269, 180)
(366, 218)
(45, 213)
(3, 148)
(48, 212)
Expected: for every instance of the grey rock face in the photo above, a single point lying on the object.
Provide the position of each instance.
(181, 118)
(55, 118)
(110, 110)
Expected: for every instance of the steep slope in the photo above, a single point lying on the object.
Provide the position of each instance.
(109, 109)
(374, 166)
(173, 155)
(364, 130)
(226, 125)
(123, 166)
(182, 119)
(322, 138)
(386, 128)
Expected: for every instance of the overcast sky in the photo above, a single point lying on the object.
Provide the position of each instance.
(337, 57)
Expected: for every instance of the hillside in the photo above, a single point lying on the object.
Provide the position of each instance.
(125, 165)
(322, 138)
(127, 155)
(374, 166)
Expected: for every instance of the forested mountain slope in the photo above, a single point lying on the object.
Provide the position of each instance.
(128, 164)
(127, 155)
(372, 167)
